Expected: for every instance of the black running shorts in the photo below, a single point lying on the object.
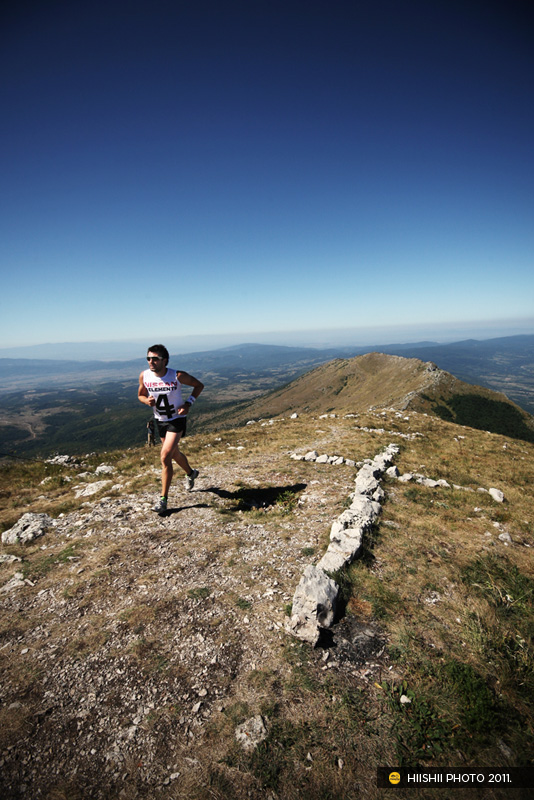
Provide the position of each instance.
(174, 426)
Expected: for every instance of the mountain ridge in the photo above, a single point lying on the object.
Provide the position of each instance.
(383, 380)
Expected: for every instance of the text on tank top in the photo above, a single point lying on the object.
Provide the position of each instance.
(167, 393)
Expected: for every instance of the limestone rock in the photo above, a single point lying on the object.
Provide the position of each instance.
(427, 482)
(104, 469)
(314, 604)
(7, 558)
(347, 531)
(332, 561)
(378, 495)
(29, 527)
(16, 581)
(250, 733)
(63, 461)
(382, 461)
(348, 542)
(497, 495)
(367, 510)
(366, 482)
(90, 489)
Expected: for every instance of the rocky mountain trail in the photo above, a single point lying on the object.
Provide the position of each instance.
(139, 631)
(136, 648)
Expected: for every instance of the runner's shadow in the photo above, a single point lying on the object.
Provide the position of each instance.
(249, 497)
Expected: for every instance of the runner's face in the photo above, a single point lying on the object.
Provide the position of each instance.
(156, 363)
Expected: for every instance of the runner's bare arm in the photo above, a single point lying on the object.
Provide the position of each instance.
(189, 380)
(143, 395)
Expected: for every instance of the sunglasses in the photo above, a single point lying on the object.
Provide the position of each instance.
(154, 358)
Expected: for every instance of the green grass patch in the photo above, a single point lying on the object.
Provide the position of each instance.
(42, 565)
(477, 704)
(199, 592)
(484, 414)
(423, 497)
(501, 583)
(421, 733)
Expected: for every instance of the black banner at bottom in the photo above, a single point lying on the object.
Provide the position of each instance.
(408, 777)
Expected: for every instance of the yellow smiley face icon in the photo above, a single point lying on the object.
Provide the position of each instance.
(394, 777)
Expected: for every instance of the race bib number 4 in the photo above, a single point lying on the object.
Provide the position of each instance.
(164, 407)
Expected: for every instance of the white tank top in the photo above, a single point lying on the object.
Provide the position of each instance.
(167, 392)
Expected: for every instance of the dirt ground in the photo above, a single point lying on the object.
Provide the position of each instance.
(139, 643)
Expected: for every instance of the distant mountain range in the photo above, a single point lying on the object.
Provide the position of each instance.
(65, 406)
(504, 364)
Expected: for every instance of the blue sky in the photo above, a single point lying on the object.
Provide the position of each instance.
(174, 169)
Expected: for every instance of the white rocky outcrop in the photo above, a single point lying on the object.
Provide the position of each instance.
(314, 604)
(315, 598)
(346, 534)
(29, 527)
(367, 480)
(104, 469)
(251, 732)
(90, 489)
(16, 581)
(422, 480)
(63, 461)
(324, 458)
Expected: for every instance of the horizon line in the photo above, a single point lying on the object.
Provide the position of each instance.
(248, 337)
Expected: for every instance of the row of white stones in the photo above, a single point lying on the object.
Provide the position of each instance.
(314, 601)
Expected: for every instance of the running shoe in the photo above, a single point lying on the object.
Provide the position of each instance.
(190, 479)
(161, 507)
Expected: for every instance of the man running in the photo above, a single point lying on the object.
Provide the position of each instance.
(160, 388)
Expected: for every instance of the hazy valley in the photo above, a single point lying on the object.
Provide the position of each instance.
(65, 406)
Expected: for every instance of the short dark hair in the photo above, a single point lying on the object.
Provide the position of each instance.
(160, 350)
